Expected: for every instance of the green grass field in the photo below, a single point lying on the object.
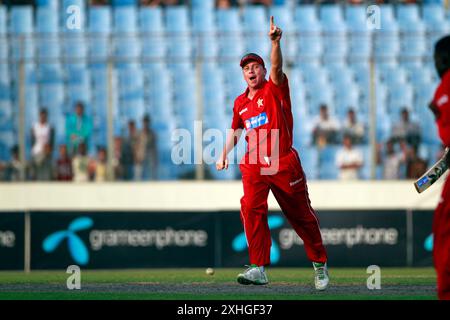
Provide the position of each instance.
(195, 284)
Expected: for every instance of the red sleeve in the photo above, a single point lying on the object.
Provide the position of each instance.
(236, 123)
(441, 102)
(282, 90)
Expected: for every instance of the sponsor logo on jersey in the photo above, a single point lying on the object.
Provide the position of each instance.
(442, 100)
(242, 111)
(256, 121)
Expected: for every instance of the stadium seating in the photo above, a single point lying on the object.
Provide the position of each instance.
(326, 50)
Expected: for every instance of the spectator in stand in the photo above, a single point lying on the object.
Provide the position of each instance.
(395, 161)
(80, 164)
(11, 170)
(353, 128)
(42, 165)
(145, 152)
(42, 134)
(415, 166)
(128, 155)
(406, 130)
(117, 160)
(99, 2)
(254, 2)
(97, 168)
(225, 4)
(63, 165)
(349, 160)
(325, 128)
(78, 129)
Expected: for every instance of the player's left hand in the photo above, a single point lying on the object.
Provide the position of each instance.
(275, 32)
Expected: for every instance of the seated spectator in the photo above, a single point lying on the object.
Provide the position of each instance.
(42, 165)
(117, 159)
(255, 2)
(42, 134)
(63, 165)
(406, 130)
(11, 169)
(352, 128)
(225, 4)
(415, 166)
(146, 159)
(78, 129)
(98, 167)
(394, 161)
(99, 2)
(80, 164)
(349, 160)
(128, 155)
(325, 128)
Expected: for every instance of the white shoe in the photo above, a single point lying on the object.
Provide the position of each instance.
(321, 277)
(253, 275)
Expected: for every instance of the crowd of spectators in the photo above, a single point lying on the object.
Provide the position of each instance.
(135, 155)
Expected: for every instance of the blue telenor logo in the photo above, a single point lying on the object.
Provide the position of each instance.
(240, 242)
(428, 243)
(256, 121)
(77, 248)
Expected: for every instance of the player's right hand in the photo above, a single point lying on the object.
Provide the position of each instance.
(275, 32)
(222, 164)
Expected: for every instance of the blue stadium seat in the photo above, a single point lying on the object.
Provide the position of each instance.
(285, 20)
(230, 33)
(367, 162)
(132, 109)
(204, 5)
(256, 24)
(400, 95)
(21, 26)
(119, 3)
(151, 27)
(309, 29)
(335, 34)
(125, 19)
(99, 30)
(387, 44)
(179, 32)
(205, 36)
(413, 32)
(3, 19)
(50, 73)
(131, 84)
(73, 42)
(327, 163)
(360, 44)
(7, 141)
(47, 34)
(73, 15)
(309, 157)
(53, 4)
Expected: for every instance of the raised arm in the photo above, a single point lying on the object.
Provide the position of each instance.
(276, 58)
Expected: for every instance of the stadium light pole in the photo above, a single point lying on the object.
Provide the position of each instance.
(110, 123)
(198, 134)
(21, 124)
(373, 113)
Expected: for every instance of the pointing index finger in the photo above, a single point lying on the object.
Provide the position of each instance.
(271, 22)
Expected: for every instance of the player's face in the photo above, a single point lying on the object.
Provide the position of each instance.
(254, 74)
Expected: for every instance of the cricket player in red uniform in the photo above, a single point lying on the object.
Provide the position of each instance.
(441, 222)
(271, 163)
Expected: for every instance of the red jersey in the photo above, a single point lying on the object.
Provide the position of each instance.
(264, 117)
(441, 102)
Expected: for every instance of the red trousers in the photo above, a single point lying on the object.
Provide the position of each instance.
(289, 187)
(441, 243)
